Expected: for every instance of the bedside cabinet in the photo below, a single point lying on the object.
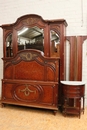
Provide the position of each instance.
(73, 91)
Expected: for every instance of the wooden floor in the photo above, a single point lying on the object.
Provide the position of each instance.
(25, 118)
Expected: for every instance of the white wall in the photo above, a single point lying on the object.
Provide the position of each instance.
(73, 11)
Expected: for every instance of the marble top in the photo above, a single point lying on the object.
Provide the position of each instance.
(73, 82)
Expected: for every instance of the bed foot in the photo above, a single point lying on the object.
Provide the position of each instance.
(2, 105)
(55, 111)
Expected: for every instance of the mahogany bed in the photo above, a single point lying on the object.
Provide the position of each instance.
(30, 79)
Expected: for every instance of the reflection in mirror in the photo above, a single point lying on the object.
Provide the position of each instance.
(9, 50)
(30, 38)
(55, 44)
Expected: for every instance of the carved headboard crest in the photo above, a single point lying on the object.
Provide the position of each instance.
(28, 56)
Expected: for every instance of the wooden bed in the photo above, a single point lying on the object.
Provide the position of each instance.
(30, 79)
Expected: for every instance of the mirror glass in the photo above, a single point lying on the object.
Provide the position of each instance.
(55, 43)
(31, 38)
(9, 50)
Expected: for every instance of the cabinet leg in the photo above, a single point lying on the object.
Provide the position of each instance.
(64, 113)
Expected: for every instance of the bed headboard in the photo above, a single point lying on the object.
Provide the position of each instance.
(31, 65)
